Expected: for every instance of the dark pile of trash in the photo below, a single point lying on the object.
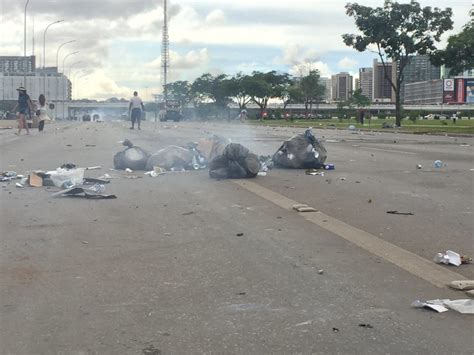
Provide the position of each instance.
(235, 162)
(132, 157)
(302, 151)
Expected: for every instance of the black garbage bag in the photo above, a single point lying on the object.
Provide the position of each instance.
(235, 162)
(302, 151)
(171, 157)
(134, 158)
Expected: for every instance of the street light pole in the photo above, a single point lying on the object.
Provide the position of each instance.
(68, 55)
(57, 53)
(70, 67)
(24, 44)
(44, 53)
(44, 40)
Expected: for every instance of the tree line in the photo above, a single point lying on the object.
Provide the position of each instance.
(258, 88)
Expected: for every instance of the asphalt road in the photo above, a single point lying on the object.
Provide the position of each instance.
(161, 270)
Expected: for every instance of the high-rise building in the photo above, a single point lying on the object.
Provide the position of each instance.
(356, 84)
(341, 86)
(382, 90)
(17, 64)
(365, 82)
(424, 92)
(419, 68)
(328, 85)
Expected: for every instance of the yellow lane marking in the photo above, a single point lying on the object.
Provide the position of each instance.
(404, 259)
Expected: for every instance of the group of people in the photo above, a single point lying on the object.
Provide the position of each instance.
(26, 108)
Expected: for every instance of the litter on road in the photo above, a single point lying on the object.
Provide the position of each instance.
(235, 162)
(463, 285)
(304, 208)
(401, 213)
(302, 151)
(464, 306)
(80, 192)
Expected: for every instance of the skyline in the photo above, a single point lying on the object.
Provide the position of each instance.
(119, 41)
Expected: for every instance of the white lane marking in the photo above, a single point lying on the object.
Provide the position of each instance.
(404, 259)
(389, 150)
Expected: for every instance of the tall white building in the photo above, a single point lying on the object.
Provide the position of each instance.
(55, 88)
(342, 86)
(365, 82)
(328, 85)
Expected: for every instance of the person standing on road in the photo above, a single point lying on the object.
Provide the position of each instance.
(41, 112)
(25, 106)
(135, 109)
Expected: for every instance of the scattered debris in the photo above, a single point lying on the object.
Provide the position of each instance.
(369, 200)
(351, 127)
(438, 163)
(66, 173)
(8, 176)
(85, 242)
(401, 213)
(388, 125)
(128, 170)
(365, 325)
(320, 272)
(342, 178)
(419, 166)
(335, 330)
(302, 151)
(451, 257)
(187, 213)
(314, 172)
(90, 145)
(329, 167)
(304, 208)
(309, 322)
(212, 146)
(240, 234)
(94, 167)
(19, 185)
(80, 192)
(235, 162)
(177, 158)
(429, 304)
(262, 173)
(35, 180)
(463, 285)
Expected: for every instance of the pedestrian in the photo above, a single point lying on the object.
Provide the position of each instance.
(454, 117)
(135, 109)
(25, 106)
(41, 112)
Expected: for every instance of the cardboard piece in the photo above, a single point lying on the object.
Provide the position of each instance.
(36, 180)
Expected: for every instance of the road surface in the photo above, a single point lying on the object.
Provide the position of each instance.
(185, 264)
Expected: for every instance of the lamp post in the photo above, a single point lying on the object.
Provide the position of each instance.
(77, 81)
(74, 80)
(24, 44)
(44, 54)
(44, 40)
(67, 56)
(57, 52)
(70, 67)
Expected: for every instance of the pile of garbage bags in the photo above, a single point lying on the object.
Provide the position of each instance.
(235, 162)
(302, 151)
(132, 157)
(171, 157)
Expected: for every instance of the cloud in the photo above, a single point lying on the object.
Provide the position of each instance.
(347, 63)
(294, 54)
(304, 68)
(215, 17)
(190, 60)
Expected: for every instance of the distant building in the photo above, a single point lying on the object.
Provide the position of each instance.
(55, 88)
(366, 81)
(341, 86)
(17, 64)
(419, 68)
(356, 84)
(424, 92)
(382, 90)
(328, 85)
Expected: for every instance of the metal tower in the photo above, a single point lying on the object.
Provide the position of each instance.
(165, 49)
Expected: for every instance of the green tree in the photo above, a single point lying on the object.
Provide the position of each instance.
(181, 91)
(312, 89)
(459, 53)
(264, 86)
(238, 88)
(397, 32)
(292, 94)
(359, 100)
(212, 88)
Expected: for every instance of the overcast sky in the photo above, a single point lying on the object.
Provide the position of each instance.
(119, 41)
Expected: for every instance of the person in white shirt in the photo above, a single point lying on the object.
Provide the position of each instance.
(135, 110)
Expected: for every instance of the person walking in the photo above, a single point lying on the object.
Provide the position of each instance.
(135, 109)
(25, 106)
(41, 113)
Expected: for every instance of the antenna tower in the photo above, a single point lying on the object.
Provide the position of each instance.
(165, 49)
